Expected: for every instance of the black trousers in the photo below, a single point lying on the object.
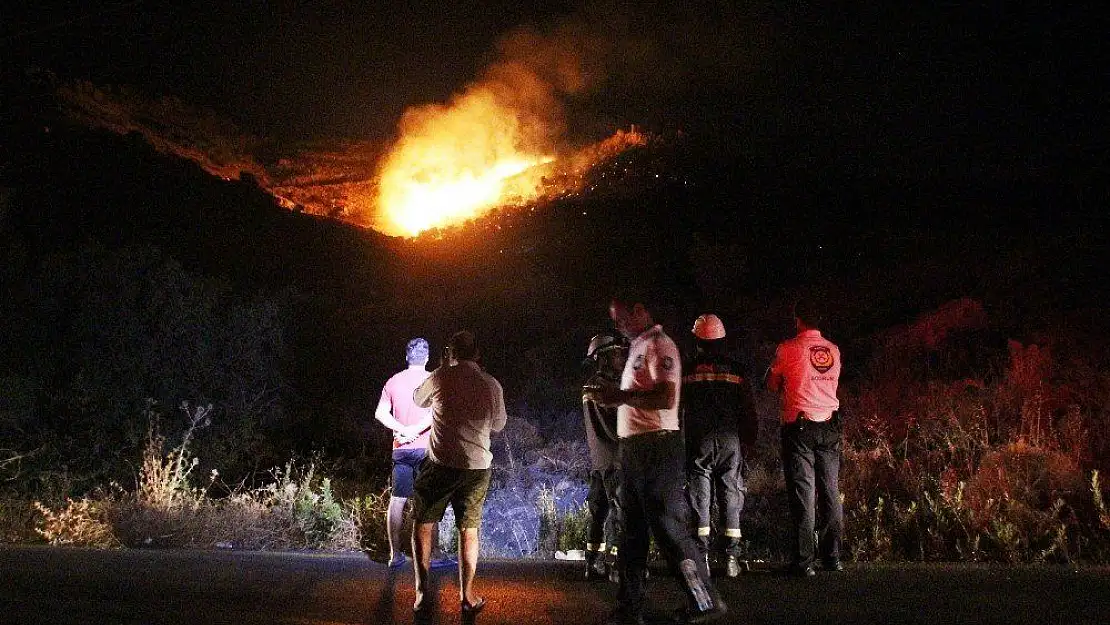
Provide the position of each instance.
(604, 508)
(811, 460)
(713, 466)
(652, 478)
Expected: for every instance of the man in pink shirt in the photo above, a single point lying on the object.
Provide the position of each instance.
(806, 372)
(411, 425)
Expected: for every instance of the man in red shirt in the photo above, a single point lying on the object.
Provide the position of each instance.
(411, 425)
(806, 372)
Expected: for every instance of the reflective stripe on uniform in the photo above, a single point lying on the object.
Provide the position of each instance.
(713, 377)
(595, 546)
(733, 533)
(703, 531)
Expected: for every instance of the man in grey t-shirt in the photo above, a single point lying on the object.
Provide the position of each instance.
(467, 404)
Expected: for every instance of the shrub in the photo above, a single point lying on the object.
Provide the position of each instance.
(295, 510)
(82, 522)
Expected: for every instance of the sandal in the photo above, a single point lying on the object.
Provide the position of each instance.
(470, 609)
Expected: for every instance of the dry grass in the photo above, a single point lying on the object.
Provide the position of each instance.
(294, 510)
(979, 470)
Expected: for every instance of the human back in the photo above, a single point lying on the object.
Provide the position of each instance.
(810, 367)
(467, 404)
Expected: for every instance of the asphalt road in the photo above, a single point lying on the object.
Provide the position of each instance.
(61, 586)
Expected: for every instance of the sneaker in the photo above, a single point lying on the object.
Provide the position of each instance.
(398, 562)
(443, 563)
(833, 565)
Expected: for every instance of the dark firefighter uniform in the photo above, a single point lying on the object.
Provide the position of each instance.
(717, 416)
(601, 438)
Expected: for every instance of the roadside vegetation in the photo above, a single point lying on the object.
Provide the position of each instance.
(941, 463)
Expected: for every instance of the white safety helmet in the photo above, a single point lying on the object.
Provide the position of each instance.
(709, 328)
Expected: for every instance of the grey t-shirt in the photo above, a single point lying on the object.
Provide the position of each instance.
(467, 404)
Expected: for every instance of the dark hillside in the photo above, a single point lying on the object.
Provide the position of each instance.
(703, 225)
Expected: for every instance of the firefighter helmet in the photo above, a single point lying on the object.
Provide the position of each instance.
(709, 328)
(602, 343)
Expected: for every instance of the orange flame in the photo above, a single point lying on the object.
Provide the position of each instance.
(453, 163)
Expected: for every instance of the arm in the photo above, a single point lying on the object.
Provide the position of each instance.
(500, 417)
(774, 377)
(384, 414)
(658, 397)
(424, 393)
(606, 422)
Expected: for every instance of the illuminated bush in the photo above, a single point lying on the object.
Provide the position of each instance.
(295, 510)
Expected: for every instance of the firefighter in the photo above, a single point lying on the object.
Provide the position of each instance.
(652, 462)
(718, 417)
(606, 354)
(806, 372)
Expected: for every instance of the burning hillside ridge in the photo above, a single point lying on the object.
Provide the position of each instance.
(344, 179)
(499, 142)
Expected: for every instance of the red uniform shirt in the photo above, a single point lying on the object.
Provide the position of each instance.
(809, 365)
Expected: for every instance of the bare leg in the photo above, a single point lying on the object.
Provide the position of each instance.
(468, 563)
(394, 520)
(436, 551)
(421, 559)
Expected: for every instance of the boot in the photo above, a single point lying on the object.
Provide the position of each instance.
(732, 566)
(595, 566)
(613, 568)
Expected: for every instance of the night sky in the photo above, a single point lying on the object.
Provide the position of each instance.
(984, 89)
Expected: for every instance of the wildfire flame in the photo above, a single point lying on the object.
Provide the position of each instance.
(455, 163)
(492, 145)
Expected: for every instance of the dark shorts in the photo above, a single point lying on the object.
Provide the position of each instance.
(437, 486)
(406, 466)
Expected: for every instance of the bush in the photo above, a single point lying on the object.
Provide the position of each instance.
(978, 470)
(295, 510)
(83, 522)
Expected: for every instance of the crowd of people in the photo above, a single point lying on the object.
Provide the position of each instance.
(667, 439)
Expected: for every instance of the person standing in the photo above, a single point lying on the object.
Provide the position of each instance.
(467, 404)
(806, 372)
(607, 354)
(653, 472)
(410, 425)
(717, 416)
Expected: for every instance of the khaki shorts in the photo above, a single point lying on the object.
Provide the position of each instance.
(437, 485)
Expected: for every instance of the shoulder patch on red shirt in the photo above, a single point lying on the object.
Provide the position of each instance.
(821, 358)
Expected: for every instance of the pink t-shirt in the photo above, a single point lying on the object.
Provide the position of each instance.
(810, 368)
(652, 358)
(397, 399)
